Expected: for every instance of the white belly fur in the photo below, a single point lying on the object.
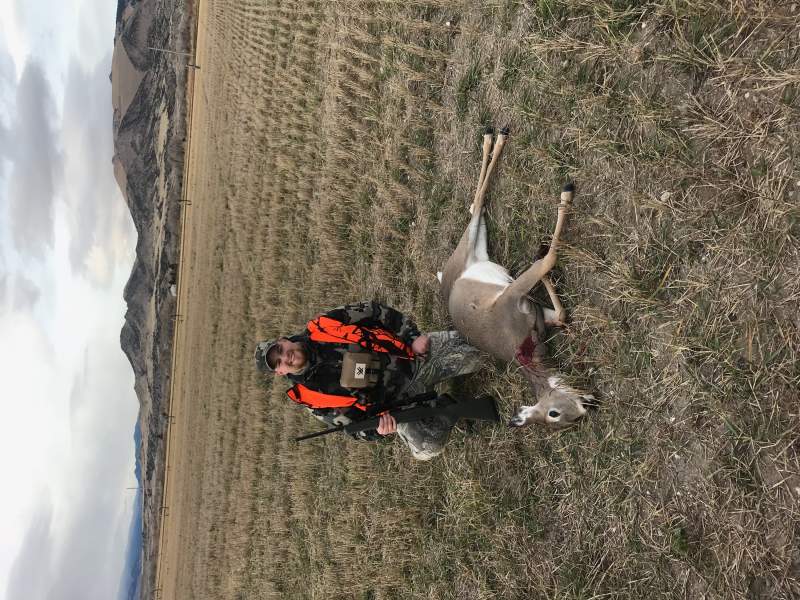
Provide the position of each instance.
(487, 272)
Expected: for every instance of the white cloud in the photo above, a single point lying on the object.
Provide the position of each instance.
(69, 430)
(100, 228)
(25, 410)
(11, 34)
(8, 79)
(32, 148)
(55, 32)
(27, 578)
(89, 507)
(66, 250)
(25, 295)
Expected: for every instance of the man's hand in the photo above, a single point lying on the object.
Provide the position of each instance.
(421, 345)
(387, 425)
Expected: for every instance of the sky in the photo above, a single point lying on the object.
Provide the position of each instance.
(67, 243)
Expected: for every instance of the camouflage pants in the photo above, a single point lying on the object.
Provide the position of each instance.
(448, 356)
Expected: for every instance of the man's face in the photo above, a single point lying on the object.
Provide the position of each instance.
(287, 357)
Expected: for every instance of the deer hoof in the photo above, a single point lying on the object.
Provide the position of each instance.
(566, 196)
(505, 131)
(489, 130)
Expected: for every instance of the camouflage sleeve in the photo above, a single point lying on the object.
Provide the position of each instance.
(333, 417)
(374, 314)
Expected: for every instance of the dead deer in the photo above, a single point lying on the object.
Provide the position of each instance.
(495, 313)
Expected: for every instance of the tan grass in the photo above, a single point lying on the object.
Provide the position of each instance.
(335, 146)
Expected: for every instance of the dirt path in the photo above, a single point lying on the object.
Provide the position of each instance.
(179, 434)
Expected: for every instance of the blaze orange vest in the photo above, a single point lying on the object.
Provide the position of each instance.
(314, 399)
(327, 329)
(373, 339)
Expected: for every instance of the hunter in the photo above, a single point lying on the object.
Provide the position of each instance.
(405, 364)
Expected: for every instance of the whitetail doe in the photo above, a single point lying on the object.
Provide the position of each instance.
(494, 311)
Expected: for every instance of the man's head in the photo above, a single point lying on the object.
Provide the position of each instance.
(281, 356)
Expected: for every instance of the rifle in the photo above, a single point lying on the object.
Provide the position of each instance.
(482, 408)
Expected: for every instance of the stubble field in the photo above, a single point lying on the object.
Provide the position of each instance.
(334, 150)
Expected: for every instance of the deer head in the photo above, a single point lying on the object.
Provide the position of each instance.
(558, 405)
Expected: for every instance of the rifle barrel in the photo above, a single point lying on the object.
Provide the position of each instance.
(482, 408)
(308, 436)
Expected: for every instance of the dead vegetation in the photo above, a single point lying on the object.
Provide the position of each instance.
(334, 148)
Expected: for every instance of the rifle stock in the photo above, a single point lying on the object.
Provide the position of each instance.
(482, 408)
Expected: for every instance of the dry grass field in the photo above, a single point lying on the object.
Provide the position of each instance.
(335, 146)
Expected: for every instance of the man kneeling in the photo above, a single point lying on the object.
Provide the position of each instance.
(397, 363)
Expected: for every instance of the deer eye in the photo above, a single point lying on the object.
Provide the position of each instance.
(553, 413)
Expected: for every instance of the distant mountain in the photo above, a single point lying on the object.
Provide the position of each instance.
(148, 91)
(137, 440)
(130, 582)
(121, 5)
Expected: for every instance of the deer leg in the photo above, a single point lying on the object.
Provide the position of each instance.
(556, 317)
(523, 284)
(481, 244)
(487, 149)
(480, 250)
(483, 180)
(476, 229)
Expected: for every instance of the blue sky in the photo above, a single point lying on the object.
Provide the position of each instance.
(67, 244)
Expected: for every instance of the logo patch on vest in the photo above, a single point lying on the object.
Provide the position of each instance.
(361, 370)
